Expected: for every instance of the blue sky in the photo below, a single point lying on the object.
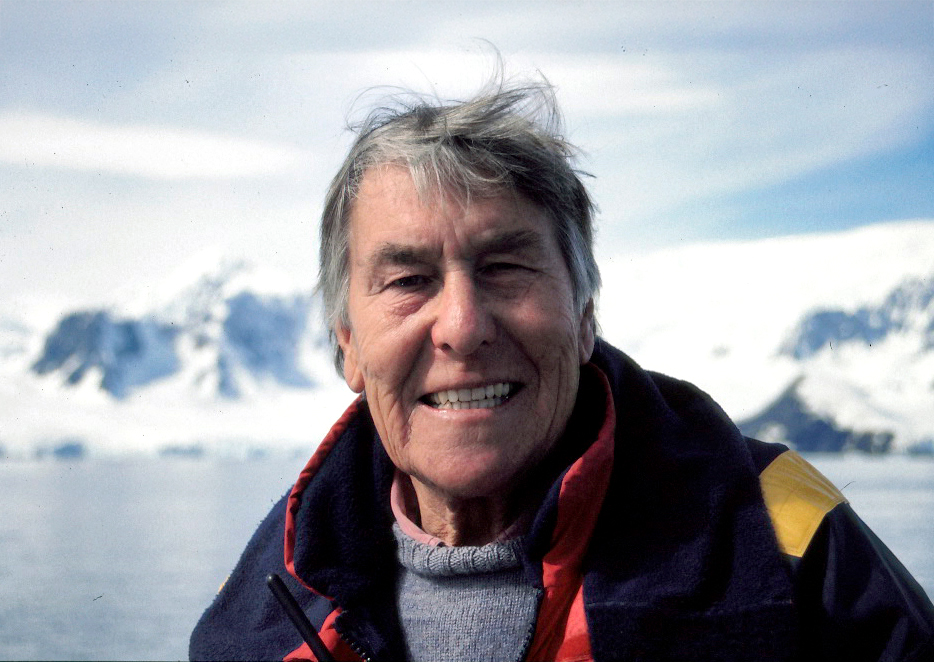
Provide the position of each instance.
(134, 137)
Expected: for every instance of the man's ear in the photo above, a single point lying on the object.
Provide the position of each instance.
(352, 373)
(587, 333)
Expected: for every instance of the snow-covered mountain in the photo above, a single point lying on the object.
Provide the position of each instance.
(868, 370)
(222, 335)
(823, 341)
(906, 310)
(224, 357)
(119, 354)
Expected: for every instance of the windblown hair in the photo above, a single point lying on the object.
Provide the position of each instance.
(506, 138)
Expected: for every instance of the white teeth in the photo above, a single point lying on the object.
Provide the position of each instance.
(481, 397)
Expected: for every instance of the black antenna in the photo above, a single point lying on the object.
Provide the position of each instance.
(298, 618)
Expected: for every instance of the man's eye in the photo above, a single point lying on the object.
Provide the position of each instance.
(495, 268)
(410, 282)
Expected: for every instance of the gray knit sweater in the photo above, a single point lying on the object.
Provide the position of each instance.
(464, 603)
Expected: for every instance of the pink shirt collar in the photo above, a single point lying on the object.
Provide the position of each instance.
(402, 502)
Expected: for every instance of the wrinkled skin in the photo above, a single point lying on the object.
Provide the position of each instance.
(449, 294)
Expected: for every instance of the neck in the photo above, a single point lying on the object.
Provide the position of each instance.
(462, 521)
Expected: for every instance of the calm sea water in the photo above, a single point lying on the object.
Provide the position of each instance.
(116, 559)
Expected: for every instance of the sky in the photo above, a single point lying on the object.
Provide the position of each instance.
(136, 138)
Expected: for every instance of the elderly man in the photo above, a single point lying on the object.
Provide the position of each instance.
(510, 487)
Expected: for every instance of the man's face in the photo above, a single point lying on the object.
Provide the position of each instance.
(468, 301)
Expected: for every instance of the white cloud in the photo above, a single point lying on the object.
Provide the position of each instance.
(677, 106)
(136, 150)
(676, 126)
(680, 129)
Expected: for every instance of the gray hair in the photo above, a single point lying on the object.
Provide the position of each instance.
(507, 137)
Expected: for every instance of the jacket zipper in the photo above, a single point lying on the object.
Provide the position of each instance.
(356, 647)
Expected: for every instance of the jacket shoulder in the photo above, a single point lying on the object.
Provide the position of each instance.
(798, 498)
(855, 599)
(244, 621)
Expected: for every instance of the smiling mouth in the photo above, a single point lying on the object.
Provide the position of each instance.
(481, 397)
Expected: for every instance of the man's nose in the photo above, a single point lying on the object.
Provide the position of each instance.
(464, 322)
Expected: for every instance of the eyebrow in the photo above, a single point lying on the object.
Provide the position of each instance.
(399, 255)
(516, 241)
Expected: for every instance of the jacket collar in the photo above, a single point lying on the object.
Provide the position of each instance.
(338, 533)
(683, 564)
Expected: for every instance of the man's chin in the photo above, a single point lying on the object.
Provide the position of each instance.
(476, 482)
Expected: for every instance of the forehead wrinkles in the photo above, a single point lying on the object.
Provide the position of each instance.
(451, 224)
